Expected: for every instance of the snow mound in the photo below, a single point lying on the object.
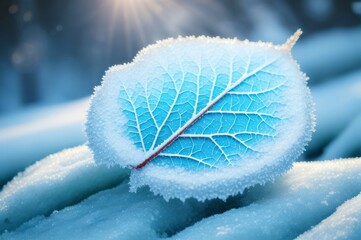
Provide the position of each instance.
(345, 223)
(295, 202)
(36, 132)
(53, 183)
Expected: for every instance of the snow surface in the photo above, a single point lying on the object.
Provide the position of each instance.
(218, 115)
(59, 180)
(28, 136)
(345, 223)
(284, 209)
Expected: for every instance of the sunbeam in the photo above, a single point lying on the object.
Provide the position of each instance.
(137, 23)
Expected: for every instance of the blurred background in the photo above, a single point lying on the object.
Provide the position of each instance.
(53, 53)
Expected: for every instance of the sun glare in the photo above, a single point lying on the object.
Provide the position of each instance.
(138, 18)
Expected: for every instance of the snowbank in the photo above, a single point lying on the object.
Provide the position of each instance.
(303, 197)
(345, 223)
(53, 183)
(30, 135)
(300, 199)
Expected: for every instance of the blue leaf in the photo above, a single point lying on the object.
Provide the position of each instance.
(202, 117)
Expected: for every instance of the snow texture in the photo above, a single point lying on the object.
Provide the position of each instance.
(53, 183)
(345, 223)
(28, 136)
(202, 117)
(284, 209)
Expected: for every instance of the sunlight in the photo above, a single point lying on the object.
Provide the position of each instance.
(137, 19)
(141, 22)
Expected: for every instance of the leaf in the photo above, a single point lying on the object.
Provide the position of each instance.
(202, 117)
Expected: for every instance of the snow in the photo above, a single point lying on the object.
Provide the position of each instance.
(345, 223)
(227, 119)
(111, 214)
(284, 209)
(30, 135)
(53, 183)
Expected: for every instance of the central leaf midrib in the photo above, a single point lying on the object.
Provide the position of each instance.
(194, 119)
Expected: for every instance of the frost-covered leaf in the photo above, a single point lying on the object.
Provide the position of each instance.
(202, 117)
